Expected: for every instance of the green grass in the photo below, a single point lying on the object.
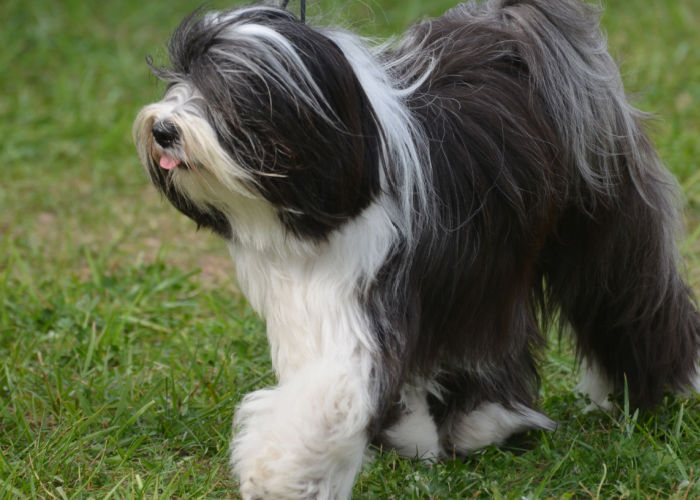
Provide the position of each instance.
(124, 343)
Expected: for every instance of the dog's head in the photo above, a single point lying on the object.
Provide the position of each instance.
(262, 114)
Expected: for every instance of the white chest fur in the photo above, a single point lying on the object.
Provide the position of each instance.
(310, 296)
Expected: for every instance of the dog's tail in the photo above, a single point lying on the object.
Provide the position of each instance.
(566, 55)
(614, 267)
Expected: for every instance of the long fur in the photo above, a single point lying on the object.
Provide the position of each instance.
(409, 217)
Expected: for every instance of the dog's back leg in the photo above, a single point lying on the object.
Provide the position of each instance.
(413, 431)
(612, 265)
(458, 413)
(614, 273)
(485, 405)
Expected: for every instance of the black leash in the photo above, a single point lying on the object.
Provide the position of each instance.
(302, 15)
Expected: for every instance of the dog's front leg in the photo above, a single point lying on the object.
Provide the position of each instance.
(306, 437)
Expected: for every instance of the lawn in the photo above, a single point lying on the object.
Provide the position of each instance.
(124, 342)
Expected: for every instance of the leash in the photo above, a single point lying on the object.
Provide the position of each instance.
(302, 13)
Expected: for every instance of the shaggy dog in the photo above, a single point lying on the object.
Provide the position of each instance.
(408, 218)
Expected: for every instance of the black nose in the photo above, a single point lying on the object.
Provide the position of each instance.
(165, 133)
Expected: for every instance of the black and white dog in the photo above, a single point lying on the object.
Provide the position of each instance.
(409, 217)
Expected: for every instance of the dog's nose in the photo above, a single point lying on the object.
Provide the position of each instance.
(165, 133)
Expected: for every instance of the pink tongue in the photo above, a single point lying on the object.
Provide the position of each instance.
(168, 163)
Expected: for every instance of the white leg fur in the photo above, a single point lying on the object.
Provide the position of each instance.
(492, 423)
(694, 386)
(415, 435)
(596, 386)
(304, 439)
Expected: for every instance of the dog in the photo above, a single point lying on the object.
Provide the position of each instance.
(409, 217)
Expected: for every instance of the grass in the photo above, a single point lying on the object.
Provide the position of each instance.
(124, 342)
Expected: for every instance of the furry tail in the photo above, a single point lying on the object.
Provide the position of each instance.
(581, 89)
(614, 267)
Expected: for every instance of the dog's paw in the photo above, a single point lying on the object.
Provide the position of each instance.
(249, 490)
(304, 439)
(264, 487)
(269, 471)
(595, 385)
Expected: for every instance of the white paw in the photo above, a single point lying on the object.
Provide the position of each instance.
(255, 488)
(695, 385)
(492, 423)
(302, 440)
(596, 386)
(415, 435)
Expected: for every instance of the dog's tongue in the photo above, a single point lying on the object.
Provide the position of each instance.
(168, 163)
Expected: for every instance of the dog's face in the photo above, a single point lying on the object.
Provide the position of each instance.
(261, 113)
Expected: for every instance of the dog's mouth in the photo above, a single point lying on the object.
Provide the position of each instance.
(168, 162)
(166, 159)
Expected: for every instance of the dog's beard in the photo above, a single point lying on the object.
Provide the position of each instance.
(194, 173)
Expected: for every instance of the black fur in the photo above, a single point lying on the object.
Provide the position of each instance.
(520, 237)
(545, 203)
(319, 173)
